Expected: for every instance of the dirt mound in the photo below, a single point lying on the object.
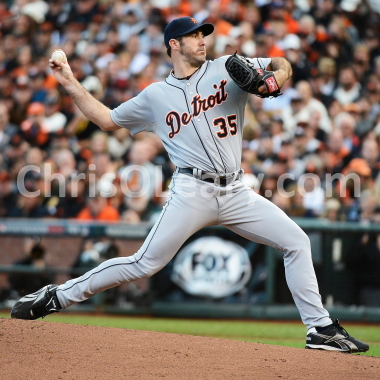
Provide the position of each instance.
(36, 350)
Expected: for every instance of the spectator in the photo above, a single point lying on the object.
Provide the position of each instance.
(83, 11)
(297, 58)
(367, 206)
(370, 152)
(357, 188)
(346, 124)
(37, 85)
(312, 41)
(43, 39)
(55, 120)
(323, 12)
(327, 71)
(137, 209)
(303, 105)
(371, 40)
(139, 175)
(364, 261)
(8, 194)
(92, 254)
(23, 62)
(313, 196)
(130, 24)
(312, 105)
(273, 49)
(300, 142)
(65, 162)
(315, 135)
(282, 202)
(34, 128)
(73, 202)
(26, 283)
(97, 208)
(365, 119)
(151, 38)
(361, 64)
(119, 143)
(22, 97)
(297, 204)
(341, 38)
(57, 14)
(30, 206)
(7, 129)
(34, 156)
(332, 210)
(337, 151)
(348, 90)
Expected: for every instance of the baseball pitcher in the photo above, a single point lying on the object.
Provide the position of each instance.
(198, 113)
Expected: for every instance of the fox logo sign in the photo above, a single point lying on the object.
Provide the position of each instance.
(212, 267)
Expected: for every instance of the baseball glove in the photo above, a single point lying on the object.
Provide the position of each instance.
(249, 79)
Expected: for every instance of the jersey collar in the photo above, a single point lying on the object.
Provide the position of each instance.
(183, 82)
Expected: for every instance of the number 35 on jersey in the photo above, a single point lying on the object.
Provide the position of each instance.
(227, 125)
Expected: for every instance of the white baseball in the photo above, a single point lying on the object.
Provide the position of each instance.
(59, 55)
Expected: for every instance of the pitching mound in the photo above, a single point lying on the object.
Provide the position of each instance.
(35, 350)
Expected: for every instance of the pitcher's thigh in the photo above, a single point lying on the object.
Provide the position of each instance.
(264, 222)
(177, 222)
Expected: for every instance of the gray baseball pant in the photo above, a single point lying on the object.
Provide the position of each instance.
(193, 204)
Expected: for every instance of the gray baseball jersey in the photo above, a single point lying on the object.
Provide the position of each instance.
(200, 123)
(199, 120)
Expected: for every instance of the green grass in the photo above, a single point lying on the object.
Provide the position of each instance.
(279, 333)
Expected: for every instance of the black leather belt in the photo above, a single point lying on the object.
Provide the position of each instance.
(219, 180)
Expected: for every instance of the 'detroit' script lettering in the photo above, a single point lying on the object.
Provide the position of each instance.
(175, 121)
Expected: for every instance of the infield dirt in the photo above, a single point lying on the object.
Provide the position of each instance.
(39, 350)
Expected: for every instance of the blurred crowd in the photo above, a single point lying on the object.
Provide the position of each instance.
(326, 122)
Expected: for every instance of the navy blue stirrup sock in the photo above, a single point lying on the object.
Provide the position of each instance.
(321, 329)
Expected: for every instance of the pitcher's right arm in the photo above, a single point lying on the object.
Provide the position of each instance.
(94, 110)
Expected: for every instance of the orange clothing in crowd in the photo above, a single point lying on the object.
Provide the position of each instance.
(50, 82)
(292, 24)
(144, 83)
(275, 51)
(337, 158)
(108, 213)
(37, 134)
(222, 27)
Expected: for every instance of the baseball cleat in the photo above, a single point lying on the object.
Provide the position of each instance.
(334, 338)
(38, 304)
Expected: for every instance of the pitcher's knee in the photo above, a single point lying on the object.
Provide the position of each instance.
(147, 270)
(303, 239)
(299, 243)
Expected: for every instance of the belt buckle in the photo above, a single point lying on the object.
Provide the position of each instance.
(208, 176)
(223, 180)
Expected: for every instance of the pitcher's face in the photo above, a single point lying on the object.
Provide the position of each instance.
(193, 48)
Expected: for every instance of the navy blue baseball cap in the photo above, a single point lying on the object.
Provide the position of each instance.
(184, 25)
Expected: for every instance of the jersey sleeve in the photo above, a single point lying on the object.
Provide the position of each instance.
(260, 63)
(135, 114)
